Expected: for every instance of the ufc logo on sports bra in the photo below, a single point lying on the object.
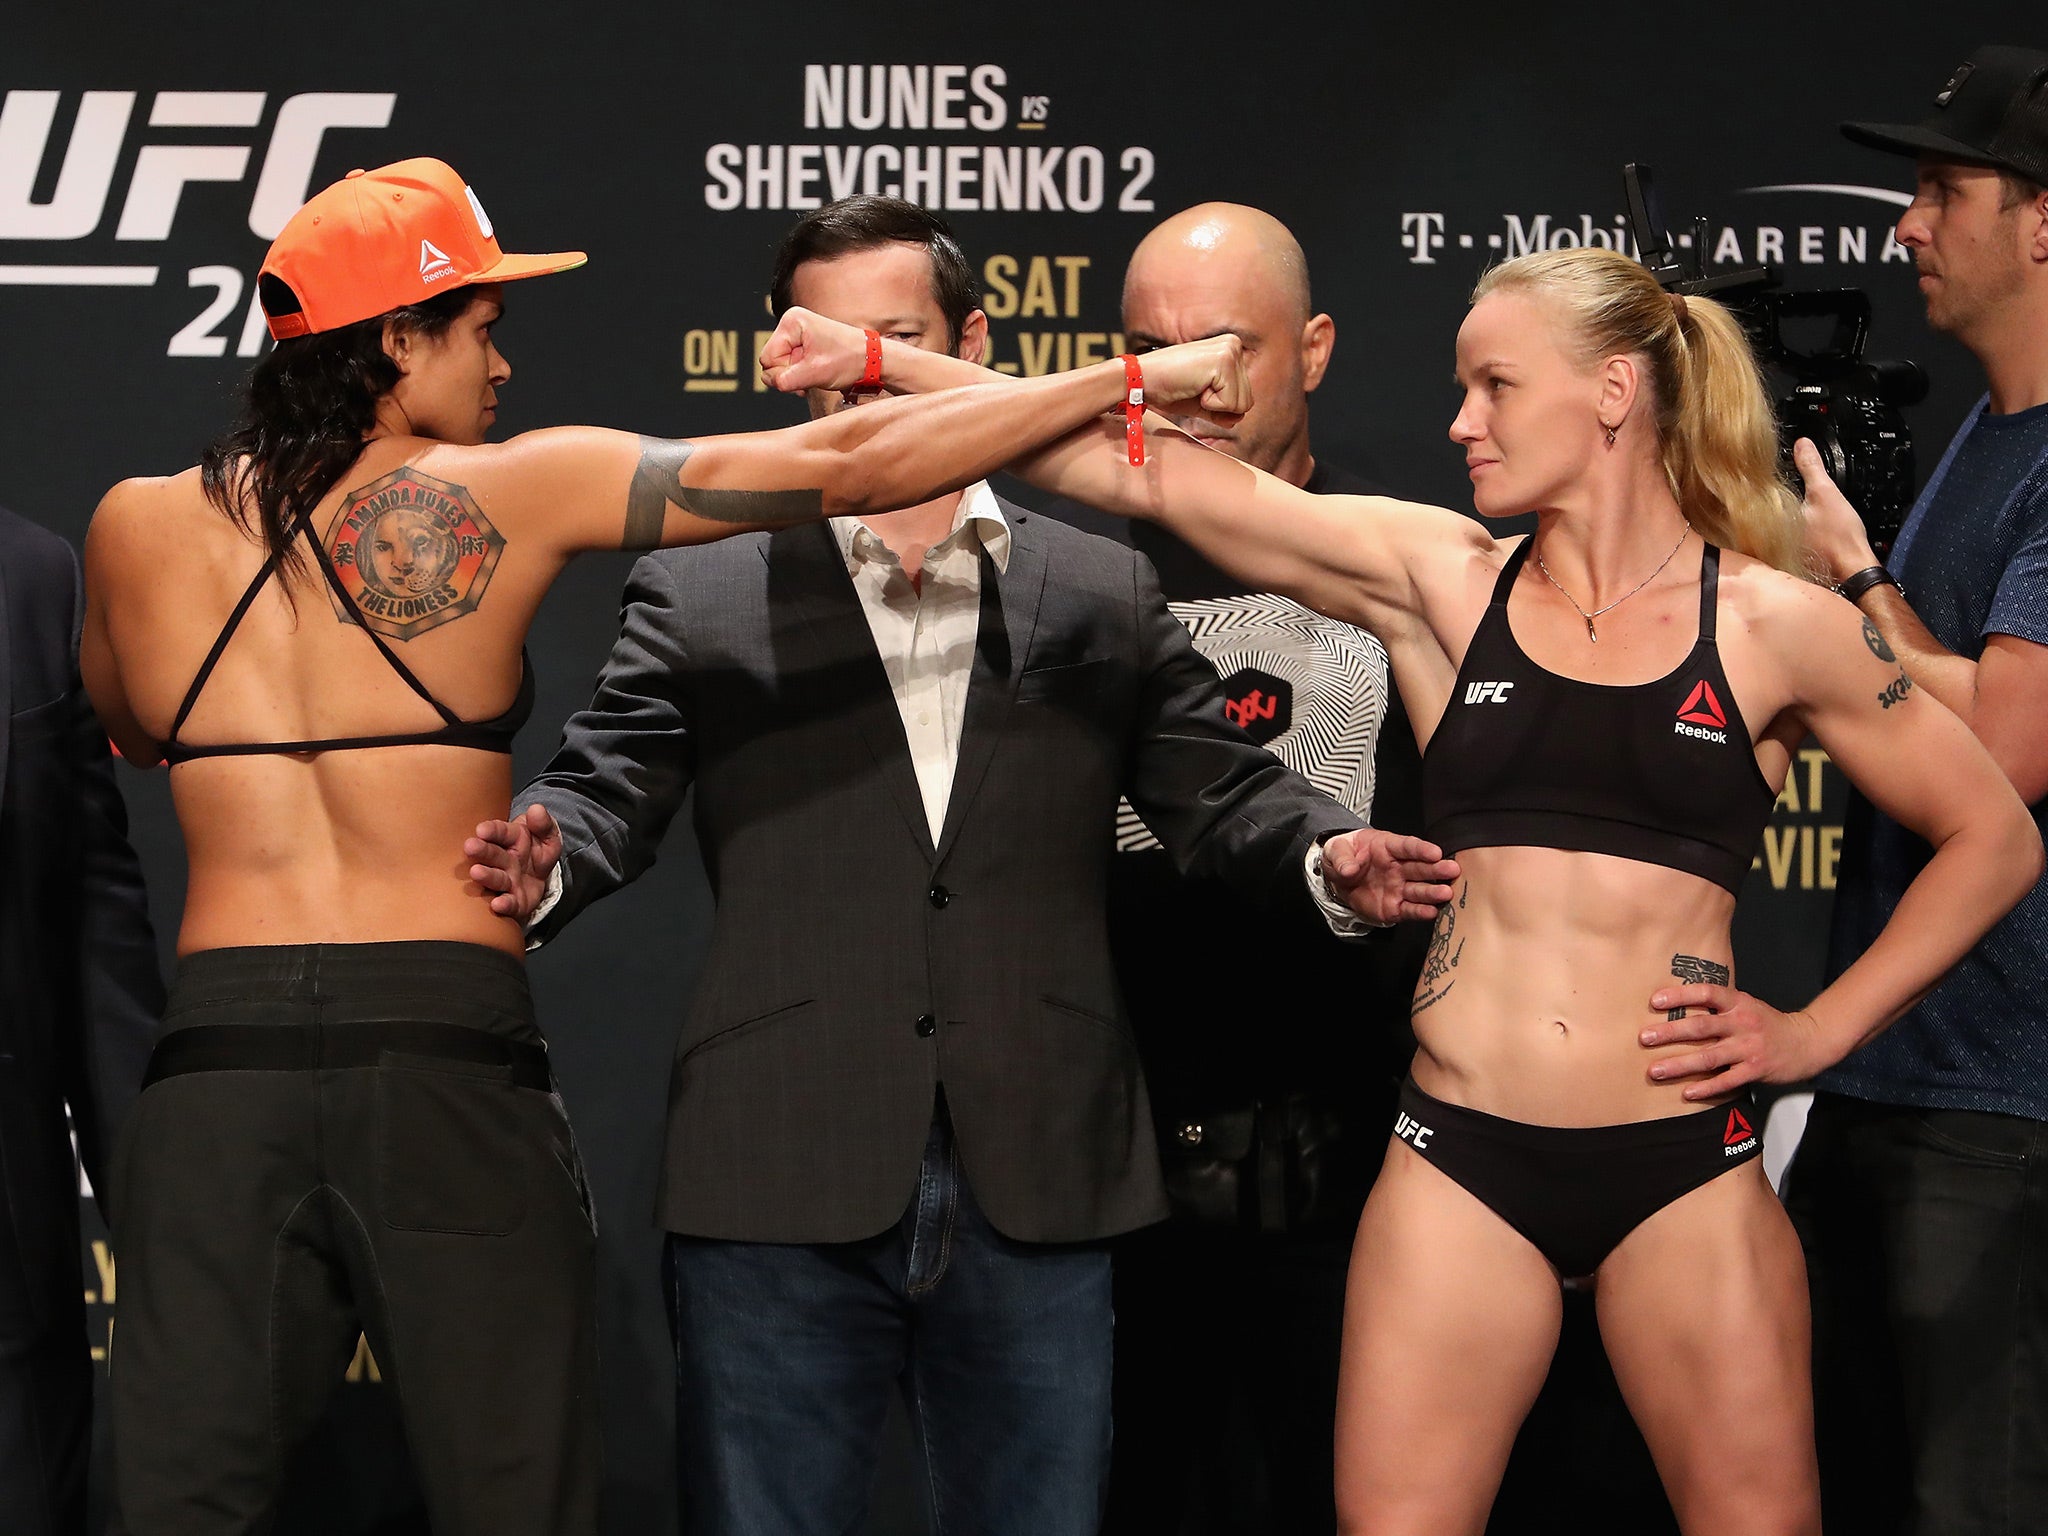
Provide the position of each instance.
(1412, 1131)
(1487, 693)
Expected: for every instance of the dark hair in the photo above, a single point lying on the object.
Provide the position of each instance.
(862, 223)
(306, 410)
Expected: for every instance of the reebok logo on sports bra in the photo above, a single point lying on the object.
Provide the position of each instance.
(1701, 715)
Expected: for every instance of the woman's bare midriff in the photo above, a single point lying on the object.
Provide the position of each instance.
(1538, 978)
(341, 848)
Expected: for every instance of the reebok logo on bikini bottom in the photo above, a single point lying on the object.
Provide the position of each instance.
(1738, 1137)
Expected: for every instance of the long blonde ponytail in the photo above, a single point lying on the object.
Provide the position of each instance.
(1715, 429)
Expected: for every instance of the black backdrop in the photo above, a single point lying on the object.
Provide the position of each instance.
(147, 153)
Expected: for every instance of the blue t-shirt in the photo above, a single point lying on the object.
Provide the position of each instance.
(1973, 559)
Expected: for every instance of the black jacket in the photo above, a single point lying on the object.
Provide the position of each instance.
(832, 1008)
(80, 989)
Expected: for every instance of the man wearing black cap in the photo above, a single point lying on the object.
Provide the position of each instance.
(1921, 1185)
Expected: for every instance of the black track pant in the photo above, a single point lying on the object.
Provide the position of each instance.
(373, 1169)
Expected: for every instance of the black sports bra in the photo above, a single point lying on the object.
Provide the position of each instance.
(1661, 772)
(493, 735)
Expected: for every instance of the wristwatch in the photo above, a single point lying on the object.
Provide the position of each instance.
(1856, 587)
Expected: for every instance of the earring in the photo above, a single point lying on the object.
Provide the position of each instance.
(1610, 433)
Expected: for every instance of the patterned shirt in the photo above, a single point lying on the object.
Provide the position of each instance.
(1973, 560)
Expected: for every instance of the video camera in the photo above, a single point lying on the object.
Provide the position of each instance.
(1847, 404)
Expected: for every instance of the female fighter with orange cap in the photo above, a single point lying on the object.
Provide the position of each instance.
(349, 1122)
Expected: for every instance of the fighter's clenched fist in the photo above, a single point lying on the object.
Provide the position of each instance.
(807, 351)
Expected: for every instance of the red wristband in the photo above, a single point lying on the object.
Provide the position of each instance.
(1134, 409)
(872, 378)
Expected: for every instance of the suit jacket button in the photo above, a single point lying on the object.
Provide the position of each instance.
(938, 895)
(927, 1025)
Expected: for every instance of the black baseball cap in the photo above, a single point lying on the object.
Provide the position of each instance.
(1993, 111)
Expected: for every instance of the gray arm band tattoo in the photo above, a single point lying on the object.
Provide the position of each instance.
(658, 483)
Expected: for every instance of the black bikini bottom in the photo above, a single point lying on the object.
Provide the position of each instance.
(1577, 1191)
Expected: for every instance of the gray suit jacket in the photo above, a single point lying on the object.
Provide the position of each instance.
(827, 1018)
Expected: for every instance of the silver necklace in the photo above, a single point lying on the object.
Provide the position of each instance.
(1631, 592)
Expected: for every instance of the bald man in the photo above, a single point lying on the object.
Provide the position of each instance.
(1273, 1059)
(1225, 267)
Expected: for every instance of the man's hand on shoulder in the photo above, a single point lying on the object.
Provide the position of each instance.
(512, 861)
(1386, 877)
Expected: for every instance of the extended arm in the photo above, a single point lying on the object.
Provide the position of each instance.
(588, 488)
(626, 759)
(1225, 808)
(1363, 560)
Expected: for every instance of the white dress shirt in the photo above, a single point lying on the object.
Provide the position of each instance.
(925, 632)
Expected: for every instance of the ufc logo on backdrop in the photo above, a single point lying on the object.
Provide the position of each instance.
(80, 188)
(82, 192)
(1487, 693)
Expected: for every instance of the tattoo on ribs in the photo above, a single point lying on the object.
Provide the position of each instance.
(1896, 693)
(1691, 968)
(1442, 958)
(411, 553)
(658, 483)
(1877, 643)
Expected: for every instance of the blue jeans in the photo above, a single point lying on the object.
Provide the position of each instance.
(1926, 1237)
(786, 1355)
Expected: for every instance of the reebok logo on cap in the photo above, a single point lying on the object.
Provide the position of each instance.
(434, 262)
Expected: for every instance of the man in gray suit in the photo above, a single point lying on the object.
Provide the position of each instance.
(906, 1110)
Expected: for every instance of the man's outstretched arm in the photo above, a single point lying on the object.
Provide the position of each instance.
(594, 817)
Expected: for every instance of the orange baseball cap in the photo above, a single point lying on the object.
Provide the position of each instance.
(378, 240)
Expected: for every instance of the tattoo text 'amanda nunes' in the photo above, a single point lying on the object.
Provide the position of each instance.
(410, 553)
(1691, 968)
(658, 484)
